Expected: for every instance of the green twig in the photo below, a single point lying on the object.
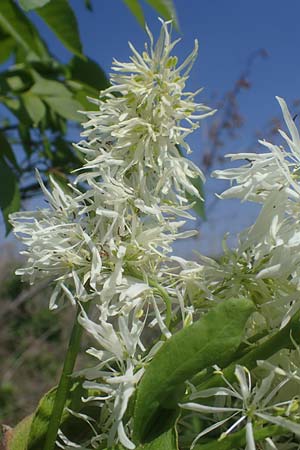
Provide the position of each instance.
(64, 385)
(165, 296)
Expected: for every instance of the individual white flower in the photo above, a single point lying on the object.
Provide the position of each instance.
(242, 404)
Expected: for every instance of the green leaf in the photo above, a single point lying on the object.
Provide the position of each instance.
(64, 155)
(27, 5)
(87, 78)
(19, 436)
(259, 351)
(65, 107)
(35, 107)
(166, 9)
(40, 419)
(10, 194)
(211, 340)
(17, 25)
(30, 432)
(239, 439)
(88, 73)
(59, 16)
(136, 10)
(58, 97)
(16, 80)
(44, 87)
(15, 105)
(7, 46)
(15, 83)
(166, 441)
(199, 205)
(6, 151)
(82, 97)
(25, 137)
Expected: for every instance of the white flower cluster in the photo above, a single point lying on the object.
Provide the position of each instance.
(265, 265)
(107, 242)
(272, 179)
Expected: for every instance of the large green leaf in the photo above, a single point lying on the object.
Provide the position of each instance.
(6, 151)
(166, 9)
(7, 46)
(211, 340)
(58, 97)
(60, 17)
(40, 419)
(87, 78)
(10, 194)
(17, 25)
(260, 351)
(18, 438)
(44, 87)
(136, 10)
(88, 73)
(30, 433)
(32, 4)
(166, 441)
(25, 138)
(35, 107)
(65, 107)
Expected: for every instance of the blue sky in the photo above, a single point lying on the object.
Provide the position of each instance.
(228, 32)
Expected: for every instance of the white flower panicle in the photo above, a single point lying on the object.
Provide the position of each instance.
(142, 122)
(108, 239)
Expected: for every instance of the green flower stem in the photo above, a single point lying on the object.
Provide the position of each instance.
(65, 382)
(238, 439)
(263, 351)
(165, 296)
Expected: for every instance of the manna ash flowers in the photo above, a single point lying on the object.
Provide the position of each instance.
(107, 238)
